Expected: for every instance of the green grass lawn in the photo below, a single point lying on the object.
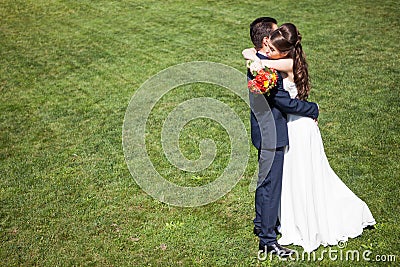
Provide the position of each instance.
(68, 71)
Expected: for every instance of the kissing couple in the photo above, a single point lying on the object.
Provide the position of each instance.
(298, 195)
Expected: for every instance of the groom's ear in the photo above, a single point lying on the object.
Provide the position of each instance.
(265, 41)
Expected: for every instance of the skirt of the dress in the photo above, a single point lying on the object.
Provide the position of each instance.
(317, 208)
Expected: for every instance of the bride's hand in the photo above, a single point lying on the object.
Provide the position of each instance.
(250, 53)
(255, 65)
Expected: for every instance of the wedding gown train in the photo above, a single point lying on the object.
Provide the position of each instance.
(317, 208)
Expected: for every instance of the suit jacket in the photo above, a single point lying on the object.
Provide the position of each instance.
(268, 114)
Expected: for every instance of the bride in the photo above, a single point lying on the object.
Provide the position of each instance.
(317, 208)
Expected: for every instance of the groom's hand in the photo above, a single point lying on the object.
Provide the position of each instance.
(316, 119)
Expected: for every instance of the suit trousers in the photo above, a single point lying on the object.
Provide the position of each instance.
(268, 193)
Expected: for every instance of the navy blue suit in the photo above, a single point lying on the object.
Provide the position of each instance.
(269, 135)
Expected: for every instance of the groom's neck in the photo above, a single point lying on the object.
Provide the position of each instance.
(263, 51)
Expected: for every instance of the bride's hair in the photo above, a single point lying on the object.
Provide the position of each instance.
(288, 39)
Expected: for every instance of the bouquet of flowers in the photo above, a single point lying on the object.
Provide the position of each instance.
(265, 79)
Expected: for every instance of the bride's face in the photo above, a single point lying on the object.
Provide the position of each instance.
(274, 53)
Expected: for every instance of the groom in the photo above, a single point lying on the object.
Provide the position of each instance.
(268, 116)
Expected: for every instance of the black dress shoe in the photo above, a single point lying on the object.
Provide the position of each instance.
(276, 249)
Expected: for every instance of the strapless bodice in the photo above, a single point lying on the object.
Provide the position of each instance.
(290, 87)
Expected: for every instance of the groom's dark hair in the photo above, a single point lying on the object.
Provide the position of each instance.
(260, 28)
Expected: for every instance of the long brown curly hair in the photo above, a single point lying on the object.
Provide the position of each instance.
(288, 39)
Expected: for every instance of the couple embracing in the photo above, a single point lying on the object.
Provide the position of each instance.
(298, 195)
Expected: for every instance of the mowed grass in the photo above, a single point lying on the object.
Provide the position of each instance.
(68, 71)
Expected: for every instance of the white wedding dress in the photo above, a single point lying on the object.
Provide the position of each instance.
(317, 208)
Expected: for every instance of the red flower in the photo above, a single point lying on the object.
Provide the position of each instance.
(264, 81)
